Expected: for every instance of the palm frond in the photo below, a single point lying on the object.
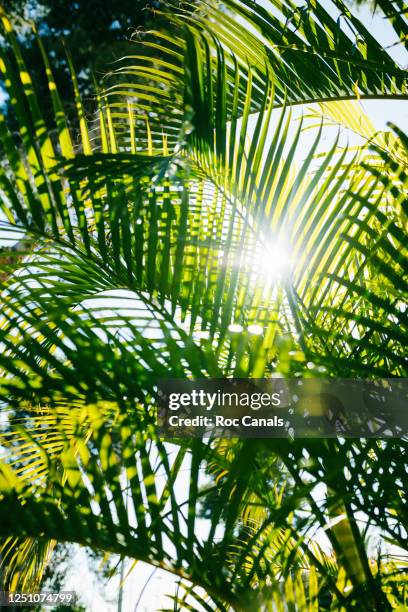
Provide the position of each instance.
(141, 256)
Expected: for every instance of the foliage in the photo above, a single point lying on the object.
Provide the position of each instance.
(65, 24)
(138, 255)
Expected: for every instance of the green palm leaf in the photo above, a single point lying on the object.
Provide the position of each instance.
(141, 257)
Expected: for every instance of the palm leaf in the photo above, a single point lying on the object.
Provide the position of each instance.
(137, 265)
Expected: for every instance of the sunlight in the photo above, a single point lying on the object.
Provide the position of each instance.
(276, 262)
(272, 264)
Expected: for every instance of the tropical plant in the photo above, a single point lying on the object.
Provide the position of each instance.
(65, 23)
(145, 251)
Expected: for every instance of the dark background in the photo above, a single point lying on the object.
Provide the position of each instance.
(96, 32)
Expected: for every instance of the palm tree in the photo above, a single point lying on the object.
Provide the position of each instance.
(139, 253)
